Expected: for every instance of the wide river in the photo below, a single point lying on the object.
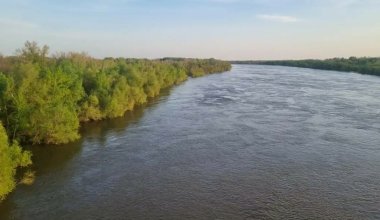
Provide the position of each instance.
(258, 142)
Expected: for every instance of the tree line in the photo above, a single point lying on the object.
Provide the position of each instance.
(44, 99)
(363, 65)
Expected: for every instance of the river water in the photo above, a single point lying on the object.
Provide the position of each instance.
(259, 142)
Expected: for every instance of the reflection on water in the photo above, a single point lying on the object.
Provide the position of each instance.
(260, 142)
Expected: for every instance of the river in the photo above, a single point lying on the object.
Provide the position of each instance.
(258, 142)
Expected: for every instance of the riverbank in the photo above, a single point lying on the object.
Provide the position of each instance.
(363, 65)
(43, 100)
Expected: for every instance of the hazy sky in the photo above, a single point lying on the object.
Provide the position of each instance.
(226, 29)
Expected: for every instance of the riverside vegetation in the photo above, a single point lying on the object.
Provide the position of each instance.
(43, 99)
(364, 65)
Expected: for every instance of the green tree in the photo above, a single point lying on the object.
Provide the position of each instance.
(32, 52)
(11, 157)
(49, 108)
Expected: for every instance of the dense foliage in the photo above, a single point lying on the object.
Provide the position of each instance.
(43, 99)
(11, 157)
(362, 65)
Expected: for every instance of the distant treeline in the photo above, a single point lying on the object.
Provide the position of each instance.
(43, 99)
(364, 65)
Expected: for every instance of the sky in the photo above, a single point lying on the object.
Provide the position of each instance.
(223, 29)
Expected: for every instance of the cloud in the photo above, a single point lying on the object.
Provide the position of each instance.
(278, 18)
(16, 24)
(343, 3)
